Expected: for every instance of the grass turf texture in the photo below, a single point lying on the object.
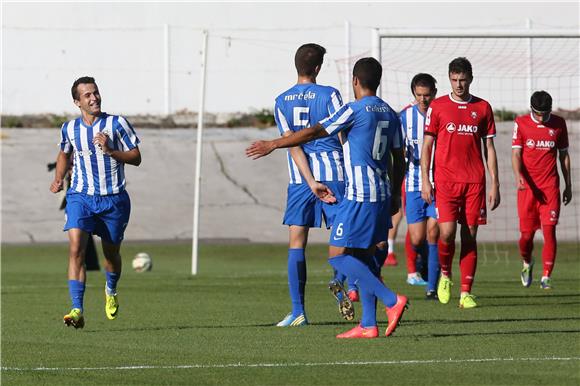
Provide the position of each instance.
(225, 316)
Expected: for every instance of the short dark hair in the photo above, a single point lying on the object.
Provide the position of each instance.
(369, 72)
(423, 80)
(308, 57)
(541, 101)
(81, 80)
(460, 65)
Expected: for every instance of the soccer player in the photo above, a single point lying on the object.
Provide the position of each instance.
(421, 217)
(308, 200)
(97, 202)
(459, 123)
(370, 136)
(538, 139)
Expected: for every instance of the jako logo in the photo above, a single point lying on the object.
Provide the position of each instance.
(467, 129)
(450, 127)
(530, 143)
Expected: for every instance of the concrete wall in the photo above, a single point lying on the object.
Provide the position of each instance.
(241, 199)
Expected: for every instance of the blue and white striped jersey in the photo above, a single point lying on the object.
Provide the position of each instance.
(303, 106)
(413, 127)
(370, 129)
(95, 173)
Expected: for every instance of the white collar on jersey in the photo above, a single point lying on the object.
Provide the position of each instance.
(461, 102)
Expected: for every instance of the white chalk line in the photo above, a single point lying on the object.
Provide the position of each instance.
(294, 364)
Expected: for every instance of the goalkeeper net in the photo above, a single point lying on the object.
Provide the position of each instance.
(507, 69)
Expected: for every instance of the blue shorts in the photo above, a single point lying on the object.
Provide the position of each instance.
(417, 210)
(303, 208)
(104, 216)
(361, 224)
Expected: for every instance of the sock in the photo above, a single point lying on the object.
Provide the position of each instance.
(526, 245)
(549, 250)
(433, 266)
(467, 264)
(446, 252)
(76, 290)
(411, 255)
(112, 279)
(364, 278)
(296, 279)
(368, 303)
(339, 276)
(391, 244)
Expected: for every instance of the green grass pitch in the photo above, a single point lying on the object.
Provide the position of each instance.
(218, 328)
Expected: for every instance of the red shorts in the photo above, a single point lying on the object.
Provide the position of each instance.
(538, 207)
(461, 202)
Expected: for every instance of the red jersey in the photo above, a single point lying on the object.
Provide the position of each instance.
(539, 143)
(459, 128)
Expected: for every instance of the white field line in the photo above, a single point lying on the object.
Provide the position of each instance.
(295, 364)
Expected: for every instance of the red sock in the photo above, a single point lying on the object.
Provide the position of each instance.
(549, 251)
(526, 244)
(446, 252)
(411, 255)
(467, 264)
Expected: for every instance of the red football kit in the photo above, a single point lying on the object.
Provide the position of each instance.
(459, 128)
(539, 201)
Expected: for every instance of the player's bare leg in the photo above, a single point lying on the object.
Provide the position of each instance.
(113, 268)
(76, 276)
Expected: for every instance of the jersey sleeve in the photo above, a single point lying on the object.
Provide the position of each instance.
(280, 119)
(431, 122)
(563, 137)
(517, 141)
(126, 134)
(403, 124)
(65, 144)
(334, 102)
(341, 120)
(490, 122)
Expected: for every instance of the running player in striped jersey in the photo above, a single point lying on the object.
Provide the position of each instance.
(459, 123)
(309, 201)
(421, 217)
(97, 201)
(539, 138)
(371, 134)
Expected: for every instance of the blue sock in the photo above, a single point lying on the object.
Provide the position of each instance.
(112, 279)
(296, 279)
(368, 303)
(364, 278)
(433, 267)
(76, 290)
(339, 276)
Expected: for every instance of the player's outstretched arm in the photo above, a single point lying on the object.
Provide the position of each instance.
(62, 165)
(491, 157)
(564, 157)
(426, 151)
(260, 149)
(517, 167)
